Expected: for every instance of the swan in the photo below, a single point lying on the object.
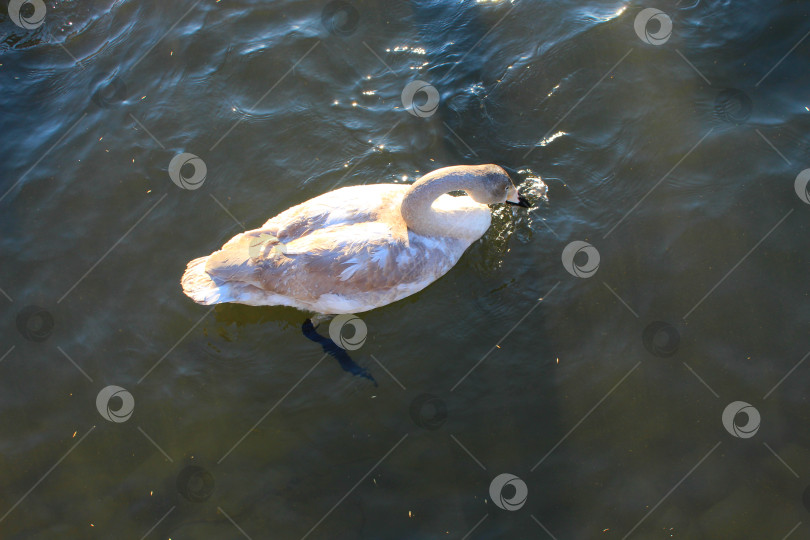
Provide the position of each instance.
(355, 248)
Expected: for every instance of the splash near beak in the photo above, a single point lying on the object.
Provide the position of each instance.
(520, 202)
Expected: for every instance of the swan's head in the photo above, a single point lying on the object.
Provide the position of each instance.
(494, 186)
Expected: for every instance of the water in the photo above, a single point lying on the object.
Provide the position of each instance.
(676, 161)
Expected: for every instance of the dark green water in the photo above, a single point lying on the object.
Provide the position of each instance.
(675, 157)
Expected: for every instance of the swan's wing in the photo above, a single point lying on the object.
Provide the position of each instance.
(361, 260)
(345, 260)
(239, 257)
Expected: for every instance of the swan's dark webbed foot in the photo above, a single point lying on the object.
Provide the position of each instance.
(333, 350)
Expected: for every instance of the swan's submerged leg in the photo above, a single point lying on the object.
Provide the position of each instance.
(333, 350)
(319, 318)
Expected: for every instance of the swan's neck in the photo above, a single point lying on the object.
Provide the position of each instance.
(465, 219)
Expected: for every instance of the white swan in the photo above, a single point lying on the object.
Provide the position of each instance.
(355, 248)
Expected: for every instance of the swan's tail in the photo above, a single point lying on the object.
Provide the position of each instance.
(199, 286)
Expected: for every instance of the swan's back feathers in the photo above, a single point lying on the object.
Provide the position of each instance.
(344, 206)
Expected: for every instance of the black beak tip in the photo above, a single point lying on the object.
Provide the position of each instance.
(522, 202)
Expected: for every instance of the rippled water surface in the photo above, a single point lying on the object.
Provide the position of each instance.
(598, 376)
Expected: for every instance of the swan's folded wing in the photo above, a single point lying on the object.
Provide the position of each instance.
(342, 260)
(241, 256)
(358, 259)
(259, 257)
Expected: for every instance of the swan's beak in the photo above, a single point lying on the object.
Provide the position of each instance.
(521, 201)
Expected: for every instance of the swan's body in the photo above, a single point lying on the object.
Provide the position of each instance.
(355, 248)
